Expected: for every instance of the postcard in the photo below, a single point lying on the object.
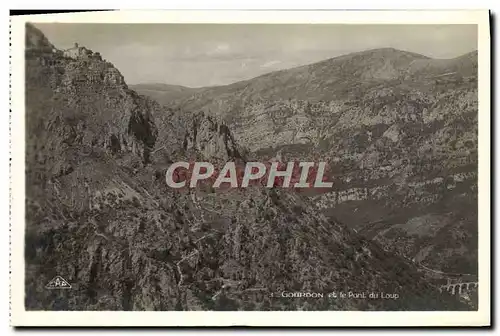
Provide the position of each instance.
(250, 168)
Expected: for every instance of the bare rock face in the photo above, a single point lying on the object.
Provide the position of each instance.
(97, 215)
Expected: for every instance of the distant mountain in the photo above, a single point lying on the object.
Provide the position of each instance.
(465, 66)
(164, 93)
(99, 214)
(399, 130)
(162, 87)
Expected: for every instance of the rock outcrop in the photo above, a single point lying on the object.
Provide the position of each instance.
(211, 138)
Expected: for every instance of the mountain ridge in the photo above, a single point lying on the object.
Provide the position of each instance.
(325, 80)
(410, 132)
(141, 89)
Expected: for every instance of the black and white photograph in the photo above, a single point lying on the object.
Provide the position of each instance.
(223, 167)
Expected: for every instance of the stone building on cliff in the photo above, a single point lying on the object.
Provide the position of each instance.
(77, 52)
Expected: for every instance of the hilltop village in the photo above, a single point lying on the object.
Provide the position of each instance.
(79, 52)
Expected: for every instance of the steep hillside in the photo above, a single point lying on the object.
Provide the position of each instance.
(99, 215)
(399, 130)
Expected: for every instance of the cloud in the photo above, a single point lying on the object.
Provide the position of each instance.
(270, 63)
(221, 49)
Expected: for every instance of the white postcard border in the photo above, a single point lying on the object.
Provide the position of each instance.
(21, 317)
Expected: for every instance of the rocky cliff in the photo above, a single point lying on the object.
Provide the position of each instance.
(99, 215)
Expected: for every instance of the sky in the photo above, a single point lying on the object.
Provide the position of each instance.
(197, 55)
